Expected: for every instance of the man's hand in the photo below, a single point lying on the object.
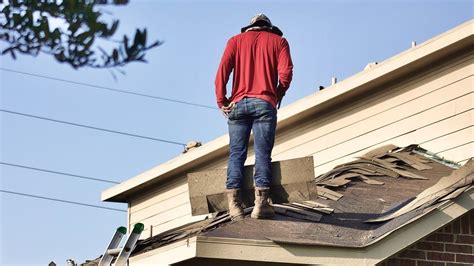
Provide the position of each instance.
(280, 95)
(227, 109)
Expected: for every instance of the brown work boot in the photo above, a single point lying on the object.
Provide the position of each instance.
(262, 208)
(235, 204)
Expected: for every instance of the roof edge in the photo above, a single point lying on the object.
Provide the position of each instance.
(398, 239)
(293, 113)
(269, 251)
(375, 252)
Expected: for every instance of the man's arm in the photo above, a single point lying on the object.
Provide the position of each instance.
(223, 72)
(285, 69)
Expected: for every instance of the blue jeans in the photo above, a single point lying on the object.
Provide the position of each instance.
(260, 116)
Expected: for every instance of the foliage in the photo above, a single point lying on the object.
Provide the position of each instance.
(25, 27)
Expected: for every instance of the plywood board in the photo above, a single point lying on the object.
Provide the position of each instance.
(207, 188)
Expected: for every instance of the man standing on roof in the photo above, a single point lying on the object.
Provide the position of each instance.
(261, 62)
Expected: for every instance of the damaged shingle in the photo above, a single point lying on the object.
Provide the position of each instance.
(388, 160)
(374, 187)
(447, 187)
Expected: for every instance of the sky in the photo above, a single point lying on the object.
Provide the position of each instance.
(327, 39)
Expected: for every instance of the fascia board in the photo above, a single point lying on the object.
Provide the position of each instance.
(402, 63)
(268, 251)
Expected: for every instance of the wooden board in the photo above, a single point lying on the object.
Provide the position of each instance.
(207, 188)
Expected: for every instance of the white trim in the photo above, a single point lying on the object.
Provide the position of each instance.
(211, 247)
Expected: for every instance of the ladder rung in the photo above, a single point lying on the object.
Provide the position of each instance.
(113, 251)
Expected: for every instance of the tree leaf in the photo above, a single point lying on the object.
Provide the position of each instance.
(157, 43)
(13, 53)
(137, 37)
(115, 55)
(113, 28)
(16, 20)
(144, 37)
(26, 33)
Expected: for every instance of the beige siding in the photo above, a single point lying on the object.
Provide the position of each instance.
(155, 209)
(427, 110)
(164, 195)
(384, 101)
(163, 208)
(434, 109)
(165, 216)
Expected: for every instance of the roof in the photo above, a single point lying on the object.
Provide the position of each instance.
(360, 203)
(451, 42)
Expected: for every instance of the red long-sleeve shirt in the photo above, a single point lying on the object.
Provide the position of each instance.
(262, 67)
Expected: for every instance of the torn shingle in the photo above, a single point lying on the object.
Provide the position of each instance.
(462, 178)
(301, 214)
(341, 221)
(306, 206)
(381, 150)
(328, 194)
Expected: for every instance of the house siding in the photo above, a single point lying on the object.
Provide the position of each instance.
(433, 108)
(449, 246)
(162, 208)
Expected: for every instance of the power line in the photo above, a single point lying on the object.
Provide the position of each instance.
(59, 173)
(61, 200)
(92, 127)
(110, 89)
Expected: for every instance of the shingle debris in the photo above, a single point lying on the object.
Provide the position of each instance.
(388, 160)
(352, 204)
(446, 188)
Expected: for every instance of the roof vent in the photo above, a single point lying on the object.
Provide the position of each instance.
(413, 44)
(192, 145)
(333, 80)
(370, 65)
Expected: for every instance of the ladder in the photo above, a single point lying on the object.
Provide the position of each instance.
(121, 254)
